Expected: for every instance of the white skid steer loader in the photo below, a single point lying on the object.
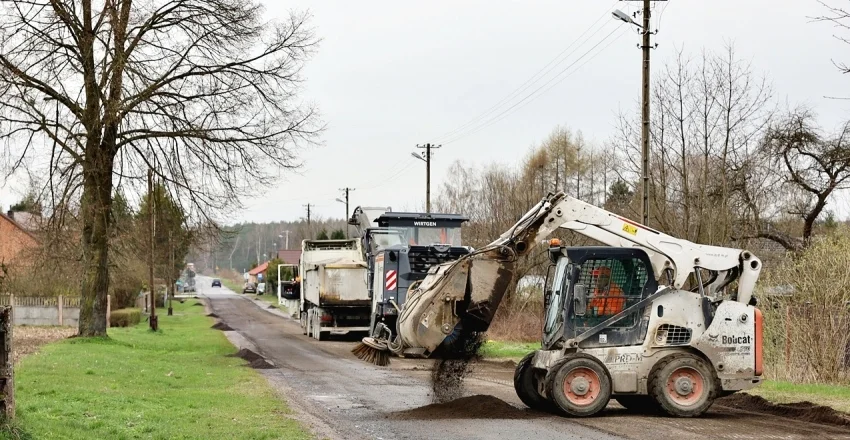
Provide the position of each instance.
(620, 322)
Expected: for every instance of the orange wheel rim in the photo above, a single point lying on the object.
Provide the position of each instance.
(582, 386)
(685, 386)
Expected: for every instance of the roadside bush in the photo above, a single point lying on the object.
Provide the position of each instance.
(806, 329)
(125, 317)
(519, 318)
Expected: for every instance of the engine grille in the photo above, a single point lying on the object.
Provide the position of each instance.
(668, 334)
(421, 258)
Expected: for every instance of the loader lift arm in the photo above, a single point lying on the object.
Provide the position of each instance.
(466, 293)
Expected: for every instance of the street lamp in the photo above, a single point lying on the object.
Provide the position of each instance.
(644, 134)
(287, 238)
(418, 156)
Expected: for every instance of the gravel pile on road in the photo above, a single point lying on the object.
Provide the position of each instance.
(27, 340)
(454, 365)
(471, 407)
(222, 326)
(261, 364)
(212, 315)
(254, 360)
(198, 304)
(804, 411)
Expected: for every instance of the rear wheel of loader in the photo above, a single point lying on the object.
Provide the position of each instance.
(684, 385)
(581, 386)
(527, 384)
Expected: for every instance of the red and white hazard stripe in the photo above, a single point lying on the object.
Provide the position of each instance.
(391, 280)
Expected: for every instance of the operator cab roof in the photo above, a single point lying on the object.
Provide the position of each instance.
(390, 219)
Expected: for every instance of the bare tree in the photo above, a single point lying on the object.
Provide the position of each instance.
(202, 91)
(813, 166)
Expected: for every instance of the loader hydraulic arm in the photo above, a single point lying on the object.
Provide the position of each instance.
(463, 296)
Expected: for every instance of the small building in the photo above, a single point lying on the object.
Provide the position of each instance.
(255, 275)
(15, 241)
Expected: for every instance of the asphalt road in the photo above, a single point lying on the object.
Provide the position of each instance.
(339, 396)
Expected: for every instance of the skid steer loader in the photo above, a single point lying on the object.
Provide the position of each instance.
(651, 320)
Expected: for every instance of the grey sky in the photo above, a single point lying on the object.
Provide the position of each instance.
(389, 75)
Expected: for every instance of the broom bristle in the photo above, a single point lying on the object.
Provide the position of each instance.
(372, 355)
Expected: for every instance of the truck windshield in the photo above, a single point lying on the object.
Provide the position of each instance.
(423, 236)
(384, 239)
(559, 294)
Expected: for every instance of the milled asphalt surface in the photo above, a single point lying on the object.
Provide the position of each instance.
(338, 396)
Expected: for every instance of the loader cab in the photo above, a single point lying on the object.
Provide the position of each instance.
(590, 285)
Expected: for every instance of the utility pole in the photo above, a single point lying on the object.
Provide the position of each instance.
(644, 133)
(427, 159)
(646, 33)
(170, 271)
(309, 228)
(346, 190)
(287, 238)
(151, 226)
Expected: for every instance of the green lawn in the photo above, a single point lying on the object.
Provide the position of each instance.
(502, 349)
(835, 396)
(174, 384)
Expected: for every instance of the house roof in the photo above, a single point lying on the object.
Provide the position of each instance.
(289, 257)
(259, 269)
(18, 225)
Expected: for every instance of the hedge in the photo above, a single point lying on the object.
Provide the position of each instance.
(125, 317)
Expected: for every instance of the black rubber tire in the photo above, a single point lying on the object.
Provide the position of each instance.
(557, 381)
(657, 386)
(638, 403)
(526, 386)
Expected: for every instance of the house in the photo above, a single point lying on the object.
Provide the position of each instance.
(255, 275)
(15, 240)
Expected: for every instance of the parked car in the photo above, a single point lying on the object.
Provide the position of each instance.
(216, 283)
(249, 288)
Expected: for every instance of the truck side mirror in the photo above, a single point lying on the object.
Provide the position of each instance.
(579, 300)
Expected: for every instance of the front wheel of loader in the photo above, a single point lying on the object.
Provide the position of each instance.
(580, 387)
(683, 385)
(527, 385)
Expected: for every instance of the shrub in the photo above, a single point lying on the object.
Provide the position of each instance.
(125, 317)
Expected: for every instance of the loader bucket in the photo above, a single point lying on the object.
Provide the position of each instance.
(463, 295)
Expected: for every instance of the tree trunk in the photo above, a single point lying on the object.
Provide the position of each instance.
(96, 207)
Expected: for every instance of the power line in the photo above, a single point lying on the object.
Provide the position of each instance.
(534, 78)
(534, 95)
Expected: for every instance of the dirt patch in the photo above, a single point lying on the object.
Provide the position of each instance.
(271, 306)
(246, 354)
(212, 315)
(805, 411)
(222, 326)
(471, 407)
(28, 340)
(261, 364)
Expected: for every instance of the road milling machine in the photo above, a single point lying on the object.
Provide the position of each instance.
(650, 321)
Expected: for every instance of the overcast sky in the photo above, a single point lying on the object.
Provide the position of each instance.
(389, 75)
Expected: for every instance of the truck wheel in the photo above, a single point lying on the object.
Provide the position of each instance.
(527, 385)
(581, 386)
(639, 403)
(683, 385)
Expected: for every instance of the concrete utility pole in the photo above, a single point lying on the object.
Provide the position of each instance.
(287, 238)
(346, 190)
(646, 33)
(427, 159)
(151, 226)
(309, 228)
(644, 133)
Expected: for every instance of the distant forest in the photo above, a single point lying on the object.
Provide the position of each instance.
(243, 246)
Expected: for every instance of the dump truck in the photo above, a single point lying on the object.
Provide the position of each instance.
(399, 248)
(334, 298)
(650, 320)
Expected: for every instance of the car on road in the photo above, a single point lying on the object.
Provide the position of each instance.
(249, 288)
(216, 282)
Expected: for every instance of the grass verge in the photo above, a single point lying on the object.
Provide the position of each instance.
(177, 383)
(510, 350)
(834, 396)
